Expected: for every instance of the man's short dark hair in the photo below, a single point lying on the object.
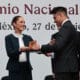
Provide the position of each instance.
(58, 9)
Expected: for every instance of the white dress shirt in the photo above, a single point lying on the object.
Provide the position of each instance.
(22, 56)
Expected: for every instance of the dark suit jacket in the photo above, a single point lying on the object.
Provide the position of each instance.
(12, 48)
(78, 46)
(78, 41)
(65, 50)
(54, 36)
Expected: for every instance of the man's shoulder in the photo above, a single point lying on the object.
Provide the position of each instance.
(54, 35)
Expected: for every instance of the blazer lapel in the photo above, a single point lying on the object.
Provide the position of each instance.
(15, 41)
(25, 40)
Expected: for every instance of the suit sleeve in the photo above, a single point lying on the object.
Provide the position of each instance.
(61, 41)
(10, 49)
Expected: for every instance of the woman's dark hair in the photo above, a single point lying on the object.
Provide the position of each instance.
(14, 20)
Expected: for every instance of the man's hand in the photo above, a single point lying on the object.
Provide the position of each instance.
(48, 54)
(52, 42)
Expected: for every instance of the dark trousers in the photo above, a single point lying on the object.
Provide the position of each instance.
(52, 64)
(21, 75)
(67, 76)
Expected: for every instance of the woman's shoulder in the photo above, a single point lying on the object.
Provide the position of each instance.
(27, 36)
(9, 36)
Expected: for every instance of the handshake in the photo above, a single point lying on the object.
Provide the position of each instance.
(33, 46)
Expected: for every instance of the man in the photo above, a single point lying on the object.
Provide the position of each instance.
(64, 47)
(53, 37)
(78, 49)
(78, 46)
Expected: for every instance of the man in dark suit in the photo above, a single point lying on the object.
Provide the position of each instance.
(78, 46)
(54, 36)
(64, 47)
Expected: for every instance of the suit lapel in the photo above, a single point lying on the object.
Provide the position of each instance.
(25, 40)
(15, 41)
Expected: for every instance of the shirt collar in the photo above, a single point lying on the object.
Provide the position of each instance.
(18, 35)
(65, 21)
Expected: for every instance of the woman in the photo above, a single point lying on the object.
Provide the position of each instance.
(17, 50)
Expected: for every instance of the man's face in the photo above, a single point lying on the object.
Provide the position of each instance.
(57, 19)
